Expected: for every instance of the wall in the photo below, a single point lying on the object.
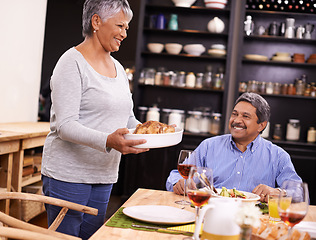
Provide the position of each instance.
(22, 24)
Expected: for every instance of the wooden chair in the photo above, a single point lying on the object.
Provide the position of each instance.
(18, 229)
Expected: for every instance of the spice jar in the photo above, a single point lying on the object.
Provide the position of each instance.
(252, 86)
(199, 80)
(166, 78)
(181, 79)
(293, 130)
(216, 123)
(153, 114)
(277, 133)
(205, 122)
(291, 90)
(190, 80)
(173, 78)
(269, 88)
(158, 78)
(300, 87)
(150, 76)
(142, 111)
(207, 80)
(276, 88)
(193, 121)
(284, 89)
(262, 87)
(311, 135)
(242, 87)
(176, 117)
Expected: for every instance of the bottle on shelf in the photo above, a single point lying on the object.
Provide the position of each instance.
(190, 80)
(248, 26)
(311, 135)
(173, 23)
(293, 130)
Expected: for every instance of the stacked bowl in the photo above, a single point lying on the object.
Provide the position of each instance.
(219, 4)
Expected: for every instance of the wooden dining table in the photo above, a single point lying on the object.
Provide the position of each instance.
(156, 197)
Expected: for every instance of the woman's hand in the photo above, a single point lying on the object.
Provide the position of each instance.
(117, 141)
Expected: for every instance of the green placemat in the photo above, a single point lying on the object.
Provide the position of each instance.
(120, 220)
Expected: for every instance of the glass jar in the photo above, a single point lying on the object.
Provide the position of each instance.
(276, 88)
(166, 79)
(158, 78)
(199, 80)
(284, 89)
(192, 122)
(269, 88)
(173, 78)
(205, 122)
(262, 87)
(293, 130)
(311, 135)
(153, 114)
(215, 123)
(207, 80)
(181, 79)
(190, 80)
(176, 117)
(277, 133)
(300, 87)
(150, 76)
(242, 87)
(165, 115)
(291, 90)
(252, 86)
(142, 111)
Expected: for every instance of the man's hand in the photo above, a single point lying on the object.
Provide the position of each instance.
(264, 191)
(178, 188)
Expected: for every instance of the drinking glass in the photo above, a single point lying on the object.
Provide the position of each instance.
(293, 203)
(199, 188)
(186, 160)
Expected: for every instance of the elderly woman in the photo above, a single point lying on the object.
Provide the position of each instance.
(91, 110)
(243, 159)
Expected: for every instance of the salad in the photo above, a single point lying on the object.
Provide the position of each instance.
(233, 193)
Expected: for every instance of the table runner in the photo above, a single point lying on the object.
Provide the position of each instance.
(120, 220)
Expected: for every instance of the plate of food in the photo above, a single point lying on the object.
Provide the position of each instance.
(156, 134)
(234, 193)
(159, 214)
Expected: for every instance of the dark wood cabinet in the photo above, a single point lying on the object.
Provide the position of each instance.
(151, 169)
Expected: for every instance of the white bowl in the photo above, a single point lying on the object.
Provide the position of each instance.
(215, 5)
(218, 46)
(194, 49)
(250, 197)
(183, 3)
(155, 47)
(156, 140)
(173, 48)
(216, 52)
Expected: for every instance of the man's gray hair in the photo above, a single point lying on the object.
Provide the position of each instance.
(261, 105)
(105, 9)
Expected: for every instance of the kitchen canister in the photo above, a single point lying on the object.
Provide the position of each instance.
(216, 123)
(293, 130)
(192, 123)
(176, 117)
(153, 114)
(311, 135)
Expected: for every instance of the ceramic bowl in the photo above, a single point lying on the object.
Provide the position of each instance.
(183, 3)
(155, 47)
(219, 4)
(156, 140)
(173, 48)
(194, 49)
(218, 46)
(217, 52)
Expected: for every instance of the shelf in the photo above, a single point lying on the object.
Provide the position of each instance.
(279, 39)
(280, 63)
(280, 13)
(183, 55)
(195, 9)
(185, 32)
(286, 96)
(182, 88)
(31, 180)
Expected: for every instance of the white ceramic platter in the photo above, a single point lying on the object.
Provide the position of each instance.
(250, 197)
(156, 140)
(256, 57)
(159, 214)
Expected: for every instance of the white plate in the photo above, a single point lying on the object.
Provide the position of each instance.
(156, 140)
(159, 214)
(250, 197)
(309, 227)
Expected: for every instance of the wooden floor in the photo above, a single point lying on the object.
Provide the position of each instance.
(114, 205)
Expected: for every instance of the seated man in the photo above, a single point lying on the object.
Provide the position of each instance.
(243, 159)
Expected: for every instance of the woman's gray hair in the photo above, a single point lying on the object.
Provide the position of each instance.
(261, 105)
(105, 9)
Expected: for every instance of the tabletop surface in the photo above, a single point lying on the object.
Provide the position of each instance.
(19, 130)
(156, 197)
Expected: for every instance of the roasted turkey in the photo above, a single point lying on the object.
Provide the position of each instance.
(153, 127)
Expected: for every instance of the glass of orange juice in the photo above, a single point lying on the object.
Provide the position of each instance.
(273, 208)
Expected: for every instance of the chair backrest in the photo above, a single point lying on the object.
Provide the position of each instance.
(18, 224)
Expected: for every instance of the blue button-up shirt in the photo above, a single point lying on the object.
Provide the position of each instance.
(262, 163)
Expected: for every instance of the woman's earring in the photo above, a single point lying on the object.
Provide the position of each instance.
(94, 31)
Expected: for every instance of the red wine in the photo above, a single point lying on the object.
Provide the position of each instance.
(184, 170)
(199, 198)
(291, 219)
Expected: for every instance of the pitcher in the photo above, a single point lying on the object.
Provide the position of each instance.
(219, 220)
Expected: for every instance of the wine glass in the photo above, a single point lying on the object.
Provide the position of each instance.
(186, 160)
(199, 188)
(293, 203)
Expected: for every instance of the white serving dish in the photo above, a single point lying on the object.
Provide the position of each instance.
(155, 47)
(156, 140)
(281, 59)
(215, 5)
(256, 57)
(218, 46)
(173, 48)
(183, 3)
(194, 49)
